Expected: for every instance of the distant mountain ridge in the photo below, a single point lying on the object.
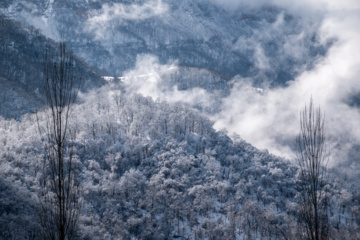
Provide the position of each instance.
(110, 34)
(21, 64)
(150, 163)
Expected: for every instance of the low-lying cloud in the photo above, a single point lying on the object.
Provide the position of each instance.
(304, 6)
(116, 13)
(152, 79)
(270, 120)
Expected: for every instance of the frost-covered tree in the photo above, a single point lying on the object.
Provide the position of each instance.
(61, 193)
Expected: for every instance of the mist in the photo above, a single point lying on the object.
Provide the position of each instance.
(175, 114)
(118, 12)
(269, 119)
(152, 79)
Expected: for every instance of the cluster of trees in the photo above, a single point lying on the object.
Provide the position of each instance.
(209, 42)
(121, 166)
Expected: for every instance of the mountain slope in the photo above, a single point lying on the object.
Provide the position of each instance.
(111, 34)
(154, 170)
(153, 167)
(21, 50)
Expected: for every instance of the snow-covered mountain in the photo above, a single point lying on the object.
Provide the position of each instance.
(22, 54)
(268, 44)
(149, 160)
(154, 170)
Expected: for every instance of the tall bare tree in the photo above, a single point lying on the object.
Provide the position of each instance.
(61, 192)
(312, 159)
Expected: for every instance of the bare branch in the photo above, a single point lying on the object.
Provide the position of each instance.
(312, 160)
(61, 199)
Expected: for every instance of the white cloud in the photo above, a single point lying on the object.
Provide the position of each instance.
(269, 120)
(118, 12)
(296, 6)
(152, 79)
(145, 78)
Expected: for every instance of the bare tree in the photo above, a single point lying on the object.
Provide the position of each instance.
(312, 159)
(61, 192)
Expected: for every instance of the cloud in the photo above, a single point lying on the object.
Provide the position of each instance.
(146, 78)
(272, 119)
(116, 13)
(29, 13)
(281, 49)
(295, 6)
(152, 79)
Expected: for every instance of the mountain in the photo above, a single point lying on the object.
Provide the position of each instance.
(148, 159)
(22, 56)
(154, 170)
(245, 42)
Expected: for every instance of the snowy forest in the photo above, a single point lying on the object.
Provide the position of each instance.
(194, 119)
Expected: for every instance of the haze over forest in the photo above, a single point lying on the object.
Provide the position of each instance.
(167, 119)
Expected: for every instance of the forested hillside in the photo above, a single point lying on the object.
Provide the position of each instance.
(110, 35)
(153, 170)
(131, 120)
(22, 49)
